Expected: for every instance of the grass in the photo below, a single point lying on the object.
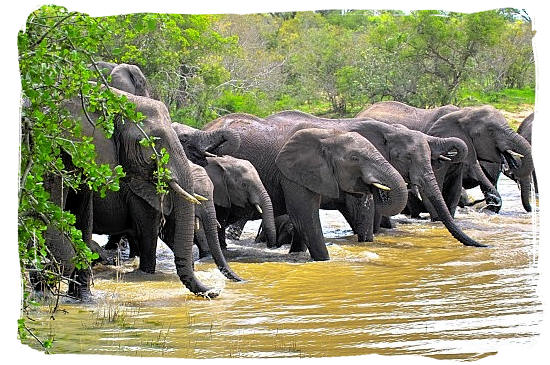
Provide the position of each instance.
(510, 100)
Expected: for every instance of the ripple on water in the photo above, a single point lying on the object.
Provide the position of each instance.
(414, 290)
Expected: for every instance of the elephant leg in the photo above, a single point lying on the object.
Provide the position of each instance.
(359, 213)
(385, 222)
(303, 209)
(235, 230)
(79, 285)
(297, 245)
(221, 236)
(202, 243)
(452, 188)
(147, 223)
(112, 243)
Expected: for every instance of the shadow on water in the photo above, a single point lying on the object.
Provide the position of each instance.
(414, 290)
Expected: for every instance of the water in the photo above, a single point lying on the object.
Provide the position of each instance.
(415, 290)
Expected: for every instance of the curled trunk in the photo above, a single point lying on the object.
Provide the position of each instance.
(393, 201)
(220, 142)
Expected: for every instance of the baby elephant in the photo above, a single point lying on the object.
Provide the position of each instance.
(239, 193)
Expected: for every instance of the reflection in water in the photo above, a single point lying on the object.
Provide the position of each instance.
(415, 290)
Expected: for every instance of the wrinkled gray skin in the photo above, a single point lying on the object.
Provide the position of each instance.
(410, 152)
(135, 210)
(206, 236)
(301, 164)
(519, 174)
(483, 129)
(238, 192)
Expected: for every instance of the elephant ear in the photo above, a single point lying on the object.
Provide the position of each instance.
(148, 192)
(305, 160)
(456, 124)
(217, 173)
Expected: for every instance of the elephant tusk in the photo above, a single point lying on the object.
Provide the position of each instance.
(197, 224)
(208, 154)
(200, 197)
(218, 223)
(178, 189)
(515, 154)
(381, 187)
(444, 158)
(258, 209)
(451, 153)
(416, 192)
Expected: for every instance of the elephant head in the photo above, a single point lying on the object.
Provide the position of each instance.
(237, 184)
(200, 144)
(206, 222)
(520, 175)
(129, 78)
(327, 161)
(411, 153)
(489, 139)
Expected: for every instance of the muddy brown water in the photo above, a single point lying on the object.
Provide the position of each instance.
(415, 290)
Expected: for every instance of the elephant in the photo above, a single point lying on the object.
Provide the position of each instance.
(239, 193)
(206, 225)
(523, 173)
(526, 131)
(484, 130)
(136, 210)
(410, 152)
(299, 165)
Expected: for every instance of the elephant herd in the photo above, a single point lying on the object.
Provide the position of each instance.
(390, 159)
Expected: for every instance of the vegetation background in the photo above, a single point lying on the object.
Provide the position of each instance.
(330, 63)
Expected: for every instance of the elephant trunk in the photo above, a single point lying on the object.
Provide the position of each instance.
(523, 173)
(268, 219)
(525, 189)
(210, 227)
(184, 215)
(447, 149)
(393, 201)
(433, 194)
(221, 142)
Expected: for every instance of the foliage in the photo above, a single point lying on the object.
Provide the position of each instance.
(54, 53)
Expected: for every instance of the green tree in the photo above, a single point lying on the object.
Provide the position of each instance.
(54, 53)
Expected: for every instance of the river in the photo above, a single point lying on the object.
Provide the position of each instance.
(414, 290)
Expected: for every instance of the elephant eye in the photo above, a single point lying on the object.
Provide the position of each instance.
(354, 158)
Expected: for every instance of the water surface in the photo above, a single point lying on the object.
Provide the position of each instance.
(414, 290)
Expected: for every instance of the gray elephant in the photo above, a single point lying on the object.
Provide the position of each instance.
(485, 132)
(410, 152)
(136, 209)
(206, 225)
(125, 77)
(519, 173)
(239, 193)
(299, 165)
